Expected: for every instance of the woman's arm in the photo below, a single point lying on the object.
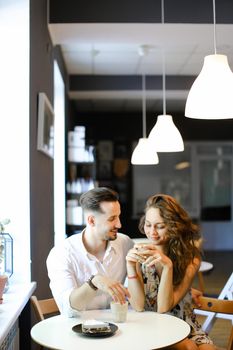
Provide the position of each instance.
(181, 290)
(135, 281)
(169, 295)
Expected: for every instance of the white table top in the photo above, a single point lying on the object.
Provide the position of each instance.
(206, 266)
(14, 300)
(142, 331)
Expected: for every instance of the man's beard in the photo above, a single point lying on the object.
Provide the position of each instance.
(111, 238)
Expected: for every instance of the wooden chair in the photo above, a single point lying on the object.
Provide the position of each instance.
(44, 307)
(222, 306)
(205, 267)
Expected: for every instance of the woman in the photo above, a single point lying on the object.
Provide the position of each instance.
(160, 274)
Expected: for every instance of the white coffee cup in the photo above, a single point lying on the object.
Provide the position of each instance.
(119, 311)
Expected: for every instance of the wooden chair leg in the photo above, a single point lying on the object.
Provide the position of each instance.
(200, 281)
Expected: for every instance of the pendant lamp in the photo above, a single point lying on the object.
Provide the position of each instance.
(143, 154)
(211, 95)
(165, 137)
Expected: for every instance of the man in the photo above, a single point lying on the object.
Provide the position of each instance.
(88, 270)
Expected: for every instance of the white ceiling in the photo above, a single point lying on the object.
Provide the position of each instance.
(114, 49)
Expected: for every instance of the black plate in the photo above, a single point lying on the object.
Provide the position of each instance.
(78, 329)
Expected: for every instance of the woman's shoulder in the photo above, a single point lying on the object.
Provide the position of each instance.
(197, 261)
(194, 264)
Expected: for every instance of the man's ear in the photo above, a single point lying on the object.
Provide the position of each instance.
(91, 220)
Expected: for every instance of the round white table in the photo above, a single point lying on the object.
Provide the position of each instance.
(206, 266)
(142, 331)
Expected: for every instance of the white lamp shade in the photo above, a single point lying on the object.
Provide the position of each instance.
(211, 95)
(143, 154)
(165, 137)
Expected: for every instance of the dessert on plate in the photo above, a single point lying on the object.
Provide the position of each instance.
(95, 326)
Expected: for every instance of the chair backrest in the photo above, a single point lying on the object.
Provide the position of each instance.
(224, 306)
(43, 307)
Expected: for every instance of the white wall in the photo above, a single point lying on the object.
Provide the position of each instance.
(14, 130)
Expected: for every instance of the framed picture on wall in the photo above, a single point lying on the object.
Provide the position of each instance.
(45, 130)
(105, 150)
(104, 171)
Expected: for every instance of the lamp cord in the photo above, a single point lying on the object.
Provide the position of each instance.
(162, 11)
(143, 106)
(164, 86)
(93, 60)
(214, 18)
(163, 59)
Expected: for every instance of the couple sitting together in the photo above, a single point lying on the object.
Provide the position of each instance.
(88, 270)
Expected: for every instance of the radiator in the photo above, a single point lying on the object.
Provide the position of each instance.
(11, 342)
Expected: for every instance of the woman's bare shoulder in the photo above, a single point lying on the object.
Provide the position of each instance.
(194, 264)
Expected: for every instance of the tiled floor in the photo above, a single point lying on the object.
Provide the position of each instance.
(214, 282)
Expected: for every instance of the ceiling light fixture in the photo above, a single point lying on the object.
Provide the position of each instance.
(182, 165)
(94, 53)
(165, 137)
(143, 153)
(143, 50)
(210, 96)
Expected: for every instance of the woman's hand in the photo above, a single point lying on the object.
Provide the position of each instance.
(135, 255)
(152, 256)
(195, 297)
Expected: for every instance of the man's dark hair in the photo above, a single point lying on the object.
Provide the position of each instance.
(91, 200)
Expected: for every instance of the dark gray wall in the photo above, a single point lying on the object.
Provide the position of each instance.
(138, 11)
(128, 126)
(41, 166)
(42, 55)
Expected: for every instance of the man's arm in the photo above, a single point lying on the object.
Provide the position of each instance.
(80, 297)
(71, 294)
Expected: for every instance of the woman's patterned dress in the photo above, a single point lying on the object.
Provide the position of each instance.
(182, 310)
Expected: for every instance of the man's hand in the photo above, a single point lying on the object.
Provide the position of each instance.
(117, 291)
(195, 295)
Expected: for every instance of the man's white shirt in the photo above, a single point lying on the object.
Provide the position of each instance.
(70, 265)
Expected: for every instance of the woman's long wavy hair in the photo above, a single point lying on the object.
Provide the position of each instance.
(183, 235)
